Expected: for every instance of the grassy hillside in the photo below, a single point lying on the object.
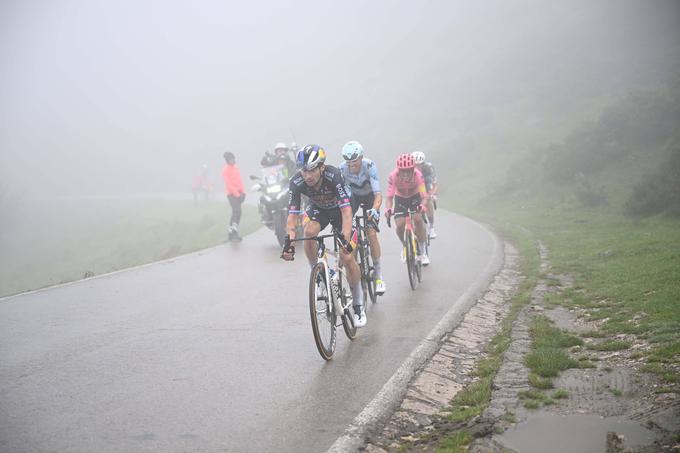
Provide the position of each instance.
(46, 243)
(604, 197)
(600, 161)
(582, 197)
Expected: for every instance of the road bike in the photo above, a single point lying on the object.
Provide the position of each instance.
(413, 265)
(364, 256)
(330, 298)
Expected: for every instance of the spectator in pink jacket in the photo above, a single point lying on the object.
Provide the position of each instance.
(233, 187)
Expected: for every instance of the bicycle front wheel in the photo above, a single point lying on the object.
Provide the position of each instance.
(348, 312)
(411, 261)
(322, 312)
(419, 265)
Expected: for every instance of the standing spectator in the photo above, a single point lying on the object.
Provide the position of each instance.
(233, 187)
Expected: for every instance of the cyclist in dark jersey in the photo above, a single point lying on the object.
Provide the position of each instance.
(430, 177)
(329, 202)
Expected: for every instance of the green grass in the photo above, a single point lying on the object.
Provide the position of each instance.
(474, 398)
(540, 382)
(50, 243)
(547, 357)
(475, 394)
(610, 345)
(626, 271)
(546, 335)
(455, 443)
(533, 399)
(560, 394)
(616, 392)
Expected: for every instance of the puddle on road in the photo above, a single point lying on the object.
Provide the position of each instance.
(584, 433)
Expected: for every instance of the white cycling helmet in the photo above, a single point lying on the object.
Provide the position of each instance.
(281, 145)
(419, 156)
(352, 151)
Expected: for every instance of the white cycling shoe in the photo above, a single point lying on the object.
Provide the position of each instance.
(432, 234)
(380, 287)
(424, 260)
(360, 319)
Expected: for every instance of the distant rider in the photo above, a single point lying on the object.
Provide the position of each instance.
(406, 190)
(329, 202)
(430, 177)
(281, 156)
(361, 174)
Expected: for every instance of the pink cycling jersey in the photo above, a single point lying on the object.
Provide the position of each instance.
(406, 189)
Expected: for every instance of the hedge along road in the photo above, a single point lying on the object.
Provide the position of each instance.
(213, 351)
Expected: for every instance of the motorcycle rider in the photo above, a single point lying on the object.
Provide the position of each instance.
(427, 170)
(281, 156)
(361, 174)
(329, 202)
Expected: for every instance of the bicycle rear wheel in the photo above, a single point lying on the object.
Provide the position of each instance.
(370, 279)
(367, 274)
(411, 261)
(363, 263)
(322, 312)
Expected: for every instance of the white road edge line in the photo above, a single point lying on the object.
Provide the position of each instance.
(392, 393)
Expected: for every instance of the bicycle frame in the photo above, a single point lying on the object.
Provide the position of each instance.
(363, 244)
(410, 241)
(335, 302)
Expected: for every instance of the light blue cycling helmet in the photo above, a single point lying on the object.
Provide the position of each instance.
(352, 151)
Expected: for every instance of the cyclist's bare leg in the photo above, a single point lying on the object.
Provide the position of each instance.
(420, 228)
(430, 211)
(400, 224)
(374, 244)
(375, 252)
(312, 229)
(353, 278)
(352, 268)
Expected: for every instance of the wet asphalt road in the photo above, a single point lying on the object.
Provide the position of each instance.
(212, 351)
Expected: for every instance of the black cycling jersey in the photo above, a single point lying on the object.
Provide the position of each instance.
(429, 175)
(332, 194)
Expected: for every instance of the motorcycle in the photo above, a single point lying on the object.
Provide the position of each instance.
(273, 205)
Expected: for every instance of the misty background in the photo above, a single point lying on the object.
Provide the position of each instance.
(105, 98)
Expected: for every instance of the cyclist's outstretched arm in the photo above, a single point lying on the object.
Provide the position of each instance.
(377, 200)
(347, 215)
(389, 204)
(291, 224)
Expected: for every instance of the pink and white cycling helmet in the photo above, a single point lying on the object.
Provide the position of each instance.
(405, 162)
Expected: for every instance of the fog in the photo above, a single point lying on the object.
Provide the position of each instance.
(132, 97)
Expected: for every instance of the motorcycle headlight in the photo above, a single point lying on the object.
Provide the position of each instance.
(274, 188)
(284, 193)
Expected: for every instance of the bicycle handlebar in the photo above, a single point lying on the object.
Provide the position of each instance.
(407, 212)
(319, 238)
(366, 218)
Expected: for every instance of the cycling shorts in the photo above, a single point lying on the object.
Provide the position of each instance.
(401, 205)
(325, 216)
(358, 200)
